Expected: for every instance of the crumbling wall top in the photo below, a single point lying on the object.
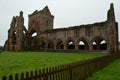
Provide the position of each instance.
(111, 14)
(44, 11)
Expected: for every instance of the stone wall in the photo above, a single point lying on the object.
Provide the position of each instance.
(102, 36)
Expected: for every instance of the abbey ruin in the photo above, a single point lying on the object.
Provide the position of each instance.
(102, 36)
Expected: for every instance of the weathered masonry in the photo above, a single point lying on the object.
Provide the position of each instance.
(102, 36)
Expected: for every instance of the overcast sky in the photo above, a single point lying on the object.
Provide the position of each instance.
(67, 12)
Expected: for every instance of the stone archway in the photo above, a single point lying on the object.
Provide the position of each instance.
(99, 43)
(50, 44)
(34, 34)
(70, 44)
(83, 44)
(103, 45)
(42, 45)
(60, 44)
(33, 40)
(14, 37)
(14, 33)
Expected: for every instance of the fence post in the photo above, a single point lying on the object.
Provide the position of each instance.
(70, 71)
(62, 72)
(4, 78)
(16, 77)
(40, 75)
(59, 73)
(31, 75)
(60, 68)
(56, 73)
(10, 77)
(35, 74)
(27, 75)
(53, 71)
(50, 73)
(46, 74)
(22, 76)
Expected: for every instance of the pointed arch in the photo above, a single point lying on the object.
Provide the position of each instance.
(70, 44)
(42, 44)
(34, 34)
(50, 44)
(13, 39)
(99, 43)
(60, 44)
(83, 43)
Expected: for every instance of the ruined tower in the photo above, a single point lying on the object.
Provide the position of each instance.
(40, 21)
(16, 34)
(113, 29)
(111, 14)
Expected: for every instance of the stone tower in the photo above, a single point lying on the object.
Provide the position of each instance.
(111, 14)
(15, 34)
(112, 29)
(40, 21)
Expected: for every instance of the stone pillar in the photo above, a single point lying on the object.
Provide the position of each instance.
(65, 46)
(76, 46)
(55, 46)
(98, 45)
(46, 47)
(90, 47)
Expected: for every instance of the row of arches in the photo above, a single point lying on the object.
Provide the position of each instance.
(97, 43)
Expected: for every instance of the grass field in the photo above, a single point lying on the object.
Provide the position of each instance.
(17, 62)
(111, 72)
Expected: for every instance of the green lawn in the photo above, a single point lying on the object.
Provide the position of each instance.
(111, 72)
(12, 62)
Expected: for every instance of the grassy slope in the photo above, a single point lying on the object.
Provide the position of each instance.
(12, 62)
(111, 72)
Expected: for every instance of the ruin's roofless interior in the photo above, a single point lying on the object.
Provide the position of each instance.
(102, 36)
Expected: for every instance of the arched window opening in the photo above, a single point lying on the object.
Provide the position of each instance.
(15, 33)
(34, 34)
(50, 45)
(71, 45)
(103, 42)
(94, 46)
(33, 43)
(83, 45)
(14, 38)
(24, 32)
(47, 22)
(99, 44)
(42, 45)
(103, 45)
(16, 24)
(13, 41)
(60, 45)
